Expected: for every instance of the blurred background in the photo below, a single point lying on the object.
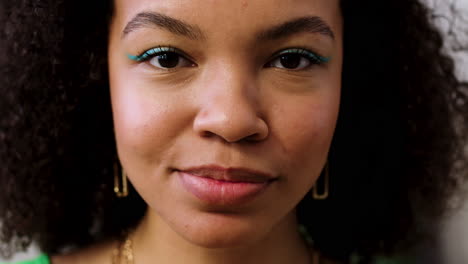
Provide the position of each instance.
(451, 16)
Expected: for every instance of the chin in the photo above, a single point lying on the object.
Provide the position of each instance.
(223, 232)
(218, 239)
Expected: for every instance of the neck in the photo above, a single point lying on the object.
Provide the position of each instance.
(155, 242)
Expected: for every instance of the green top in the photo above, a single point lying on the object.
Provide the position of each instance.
(42, 259)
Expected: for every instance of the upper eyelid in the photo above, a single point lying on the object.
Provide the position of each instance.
(302, 51)
(145, 55)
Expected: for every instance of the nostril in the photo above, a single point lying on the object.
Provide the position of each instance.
(253, 138)
(207, 134)
(243, 124)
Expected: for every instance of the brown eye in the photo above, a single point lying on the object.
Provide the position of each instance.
(169, 60)
(290, 62)
(296, 59)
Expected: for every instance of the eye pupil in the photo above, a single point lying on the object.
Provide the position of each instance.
(168, 59)
(290, 61)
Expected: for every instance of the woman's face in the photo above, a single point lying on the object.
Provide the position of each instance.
(224, 110)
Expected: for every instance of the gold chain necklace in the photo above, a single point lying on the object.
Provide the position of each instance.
(123, 253)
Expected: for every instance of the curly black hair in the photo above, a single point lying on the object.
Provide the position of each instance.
(392, 160)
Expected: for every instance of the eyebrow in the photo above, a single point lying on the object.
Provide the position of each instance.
(310, 24)
(151, 19)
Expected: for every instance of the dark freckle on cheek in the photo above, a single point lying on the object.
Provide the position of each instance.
(244, 4)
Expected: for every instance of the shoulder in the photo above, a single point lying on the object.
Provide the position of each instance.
(96, 254)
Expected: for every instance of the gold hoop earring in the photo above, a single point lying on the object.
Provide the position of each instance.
(324, 195)
(118, 191)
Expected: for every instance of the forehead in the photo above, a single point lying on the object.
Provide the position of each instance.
(231, 15)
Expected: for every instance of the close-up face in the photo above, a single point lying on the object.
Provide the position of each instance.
(224, 111)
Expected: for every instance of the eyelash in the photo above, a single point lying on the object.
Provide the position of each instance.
(314, 58)
(153, 52)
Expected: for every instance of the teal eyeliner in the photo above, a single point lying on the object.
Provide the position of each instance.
(149, 53)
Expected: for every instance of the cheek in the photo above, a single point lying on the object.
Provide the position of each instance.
(305, 131)
(145, 124)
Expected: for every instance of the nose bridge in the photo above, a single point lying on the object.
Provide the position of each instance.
(234, 87)
(229, 105)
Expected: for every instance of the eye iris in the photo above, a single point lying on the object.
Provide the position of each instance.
(168, 59)
(290, 61)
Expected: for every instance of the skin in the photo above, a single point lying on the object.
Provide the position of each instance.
(224, 107)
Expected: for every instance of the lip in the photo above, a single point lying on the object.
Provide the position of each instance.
(224, 186)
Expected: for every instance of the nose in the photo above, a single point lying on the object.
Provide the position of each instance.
(229, 109)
